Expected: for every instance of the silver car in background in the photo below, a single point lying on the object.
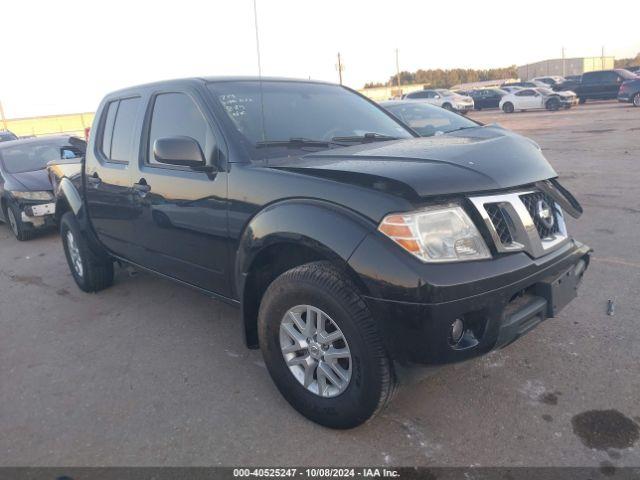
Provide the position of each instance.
(441, 97)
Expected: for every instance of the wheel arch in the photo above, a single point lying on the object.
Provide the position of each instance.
(68, 198)
(281, 237)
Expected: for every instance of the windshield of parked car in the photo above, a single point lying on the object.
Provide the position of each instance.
(31, 156)
(428, 120)
(444, 92)
(282, 111)
(544, 91)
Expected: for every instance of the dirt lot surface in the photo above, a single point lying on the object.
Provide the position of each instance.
(151, 373)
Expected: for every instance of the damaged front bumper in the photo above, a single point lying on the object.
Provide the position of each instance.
(37, 215)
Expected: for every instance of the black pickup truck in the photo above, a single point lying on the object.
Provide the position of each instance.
(598, 85)
(349, 243)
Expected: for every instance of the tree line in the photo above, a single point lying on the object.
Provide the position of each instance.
(628, 62)
(439, 78)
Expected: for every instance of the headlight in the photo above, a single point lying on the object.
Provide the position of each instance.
(443, 233)
(33, 195)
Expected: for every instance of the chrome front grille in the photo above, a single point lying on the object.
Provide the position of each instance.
(528, 221)
(531, 201)
(500, 223)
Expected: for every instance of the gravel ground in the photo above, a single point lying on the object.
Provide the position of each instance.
(151, 373)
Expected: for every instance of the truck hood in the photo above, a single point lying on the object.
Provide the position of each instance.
(31, 181)
(470, 160)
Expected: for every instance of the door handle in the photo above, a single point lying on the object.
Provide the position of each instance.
(142, 188)
(94, 180)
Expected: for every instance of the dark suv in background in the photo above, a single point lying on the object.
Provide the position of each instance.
(599, 85)
(348, 242)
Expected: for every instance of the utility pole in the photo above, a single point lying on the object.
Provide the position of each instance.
(340, 67)
(602, 59)
(564, 70)
(397, 70)
(4, 120)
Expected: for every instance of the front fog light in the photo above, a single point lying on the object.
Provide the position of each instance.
(457, 330)
(443, 233)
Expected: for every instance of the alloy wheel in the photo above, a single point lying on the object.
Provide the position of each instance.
(315, 350)
(74, 254)
(636, 100)
(13, 223)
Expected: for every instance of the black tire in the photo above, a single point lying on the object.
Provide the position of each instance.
(635, 101)
(97, 270)
(447, 106)
(21, 231)
(553, 104)
(372, 382)
(508, 107)
(582, 100)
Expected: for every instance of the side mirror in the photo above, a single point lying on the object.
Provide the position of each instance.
(436, 96)
(180, 150)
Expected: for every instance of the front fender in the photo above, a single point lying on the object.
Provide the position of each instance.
(67, 192)
(322, 226)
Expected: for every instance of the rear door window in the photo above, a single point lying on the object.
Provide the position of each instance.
(107, 132)
(122, 149)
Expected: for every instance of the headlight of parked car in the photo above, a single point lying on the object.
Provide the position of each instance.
(443, 233)
(33, 195)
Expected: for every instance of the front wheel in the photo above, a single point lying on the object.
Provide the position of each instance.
(21, 231)
(553, 104)
(582, 100)
(90, 271)
(322, 347)
(507, 107)
(447, 106)
(636, 100)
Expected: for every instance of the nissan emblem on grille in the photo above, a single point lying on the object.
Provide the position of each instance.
(544, 214)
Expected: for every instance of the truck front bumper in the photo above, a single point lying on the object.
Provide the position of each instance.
(512, 304)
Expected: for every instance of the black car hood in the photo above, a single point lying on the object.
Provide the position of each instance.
(470, 160)
(32, 181)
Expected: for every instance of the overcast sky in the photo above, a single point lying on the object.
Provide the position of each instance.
(63, 56)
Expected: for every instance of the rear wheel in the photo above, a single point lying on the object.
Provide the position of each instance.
(322, 347)
(636, 100)
(90, 271)
(14, 218)
(507, 107)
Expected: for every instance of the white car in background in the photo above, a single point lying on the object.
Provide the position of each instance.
(444, 98)
(537, 98)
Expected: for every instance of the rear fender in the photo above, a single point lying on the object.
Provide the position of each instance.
(69, 199)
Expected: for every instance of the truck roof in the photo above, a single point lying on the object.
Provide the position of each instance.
(213, 79)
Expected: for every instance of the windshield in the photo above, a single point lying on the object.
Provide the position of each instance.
(545, 91)
(444, 92)
(428, 120)
(301, 111)
(28, 157)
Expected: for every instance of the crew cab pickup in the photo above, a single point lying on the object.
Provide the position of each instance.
(598, 85)
(349, 243)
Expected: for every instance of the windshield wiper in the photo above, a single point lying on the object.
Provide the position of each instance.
(298, 142)
(367, 137)
(462, 128)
